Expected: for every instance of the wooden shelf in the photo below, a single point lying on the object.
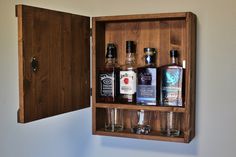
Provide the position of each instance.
(154, 135)
(140, 107)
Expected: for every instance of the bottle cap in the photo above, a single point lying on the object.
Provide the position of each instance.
(111, 51)
(149, 50)
(173, 53)
(150, 55)
(130, 47)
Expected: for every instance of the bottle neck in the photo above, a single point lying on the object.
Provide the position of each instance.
(149, 59)
(130, 58)
(173, 60)
(110, 61)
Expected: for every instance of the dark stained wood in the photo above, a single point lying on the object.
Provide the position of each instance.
(162, 31)
(60, 43)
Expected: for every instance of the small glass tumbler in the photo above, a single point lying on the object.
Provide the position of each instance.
(170, 123)
(114, 120)
(141, 122)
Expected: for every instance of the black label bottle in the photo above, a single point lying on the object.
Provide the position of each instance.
(147, 79)
(128, 75)
(108, 77)
(171, 82)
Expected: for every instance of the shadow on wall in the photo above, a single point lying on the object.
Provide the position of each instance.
(155, 146)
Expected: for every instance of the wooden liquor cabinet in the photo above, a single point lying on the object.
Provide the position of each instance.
(54, 63)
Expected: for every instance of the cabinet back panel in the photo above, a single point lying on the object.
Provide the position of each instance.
(163, 35)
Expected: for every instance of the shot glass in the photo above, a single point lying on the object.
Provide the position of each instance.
(114, 120)
(141, 122)
(170, 123)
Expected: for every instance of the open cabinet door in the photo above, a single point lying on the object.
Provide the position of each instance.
(54, 68)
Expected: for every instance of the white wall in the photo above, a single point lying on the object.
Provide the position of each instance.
(69, 135)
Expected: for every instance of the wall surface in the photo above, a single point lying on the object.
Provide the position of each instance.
(70, 135)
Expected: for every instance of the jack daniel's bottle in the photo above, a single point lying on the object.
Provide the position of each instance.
(108, 77)
(128, 75)
(171, 82)
(147, 79)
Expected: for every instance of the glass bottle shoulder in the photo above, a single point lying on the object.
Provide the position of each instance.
(129, 67)
(109, 67)
(112, 65)
(171, 66)
(147, 66)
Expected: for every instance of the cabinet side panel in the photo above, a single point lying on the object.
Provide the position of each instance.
(190, 87)
(192, 37)
(20, 64)
(98, 60)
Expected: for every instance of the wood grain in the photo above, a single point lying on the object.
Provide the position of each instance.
(60, 43)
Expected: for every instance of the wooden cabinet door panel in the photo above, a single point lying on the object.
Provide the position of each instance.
(58, 45)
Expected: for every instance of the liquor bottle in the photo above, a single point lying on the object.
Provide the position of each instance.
(147, 79)
(171, 82)
(108, 77)
(128, 75)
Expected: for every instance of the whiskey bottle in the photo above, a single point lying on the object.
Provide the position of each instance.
(108, 77)
(147, 79)
(171, 82)
(128, 75)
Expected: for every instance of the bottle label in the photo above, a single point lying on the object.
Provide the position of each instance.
(106, 84)
(146, 88)
(127, 82)
(172, 87)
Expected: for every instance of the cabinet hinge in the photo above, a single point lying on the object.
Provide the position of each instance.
(91, 32)
(91, 91)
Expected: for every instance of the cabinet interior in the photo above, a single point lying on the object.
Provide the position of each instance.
(163, 32)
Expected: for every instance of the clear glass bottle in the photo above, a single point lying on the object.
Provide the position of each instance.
(108, 77)
(128, 75)
(147, 79)
(172, 82)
